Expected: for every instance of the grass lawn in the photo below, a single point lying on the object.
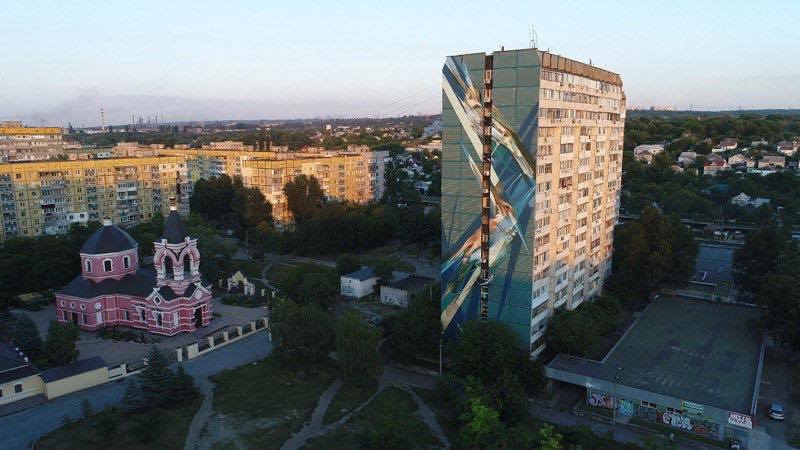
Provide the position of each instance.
(393, 406)
(268, 389)
(395, 262)
(277, 272)
(167, 427)
(348, 398)
(249, 268)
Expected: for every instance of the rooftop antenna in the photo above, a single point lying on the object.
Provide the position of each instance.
(533, 38)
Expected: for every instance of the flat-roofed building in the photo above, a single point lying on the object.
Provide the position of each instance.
(21, 143)
(689, 364)
(556, 165)
(45, 197)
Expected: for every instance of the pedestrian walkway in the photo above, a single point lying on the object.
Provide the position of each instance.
(19, 430)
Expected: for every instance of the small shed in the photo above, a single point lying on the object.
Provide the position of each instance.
(359, 283)
(401, 292)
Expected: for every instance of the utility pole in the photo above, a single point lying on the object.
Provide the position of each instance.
(485, 186)
(614, 404)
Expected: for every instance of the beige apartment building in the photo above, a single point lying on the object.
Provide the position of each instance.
(46, 197)
(356, 175)
(21, 143)
(556, 171)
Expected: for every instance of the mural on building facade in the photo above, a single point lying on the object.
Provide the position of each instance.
(695, 425)
(600, 400)
(511, 192)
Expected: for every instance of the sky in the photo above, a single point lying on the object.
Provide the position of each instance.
(209, 60)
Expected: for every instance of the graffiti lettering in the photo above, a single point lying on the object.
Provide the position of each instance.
(600, 400)
(705, 428)
(677, 421)
(625, 408)
(649, 414)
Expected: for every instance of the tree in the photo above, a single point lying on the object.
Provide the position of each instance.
(384, 270)
(132, 400)
(508, 398)
(415, 332)
(107, 424)
(318, 288)
(485, 350)
(303, 197)
(59, 347)
(357, 349)
(180, 388)
(548, 438)
(155, 378)
(26, 336)
(347, 263)
(655, 244)
(764, 251)
(87, 411)
(302, 332)
(481, 425)
(390, 431)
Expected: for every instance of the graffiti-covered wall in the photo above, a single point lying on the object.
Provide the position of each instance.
(690, 418)
(515, 114)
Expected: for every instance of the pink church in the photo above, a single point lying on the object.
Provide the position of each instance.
(112, 290)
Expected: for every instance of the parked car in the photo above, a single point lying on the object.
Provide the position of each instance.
(776, 411)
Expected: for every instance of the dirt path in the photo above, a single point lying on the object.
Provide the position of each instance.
(202, 415)
(312, 427)
(429, 417)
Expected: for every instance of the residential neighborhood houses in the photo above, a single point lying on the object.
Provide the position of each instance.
(760, 158)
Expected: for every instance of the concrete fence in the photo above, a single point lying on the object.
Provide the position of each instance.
(221, 339)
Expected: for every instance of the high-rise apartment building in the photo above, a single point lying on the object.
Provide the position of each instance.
(553, 188)
(20, 143)
(46, 197)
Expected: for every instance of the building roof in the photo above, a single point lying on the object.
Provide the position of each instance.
(168, 294)
(108, 239)
(694, 350)
(139, 284)
(76, 368)
(12, 365)
(174, 231)
(364, 273)
(411, 283)
(560, 63)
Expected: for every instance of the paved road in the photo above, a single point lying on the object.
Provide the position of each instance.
(17, 431)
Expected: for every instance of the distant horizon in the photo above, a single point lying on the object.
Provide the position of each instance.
(244, 58)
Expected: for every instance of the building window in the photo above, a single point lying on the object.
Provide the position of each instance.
(127, 315)
(88, 266)
(159, 320)
(107, 265)
(142, 315)
(18, 388)
(126, 262)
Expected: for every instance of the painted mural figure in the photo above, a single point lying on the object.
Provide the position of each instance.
(511, 192)
(113, 290)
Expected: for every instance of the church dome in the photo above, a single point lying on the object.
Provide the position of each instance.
(108, 239)
(174, 231)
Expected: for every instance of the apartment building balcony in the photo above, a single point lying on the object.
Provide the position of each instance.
(567, 139)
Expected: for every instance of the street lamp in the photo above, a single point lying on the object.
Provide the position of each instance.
(614, 404)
